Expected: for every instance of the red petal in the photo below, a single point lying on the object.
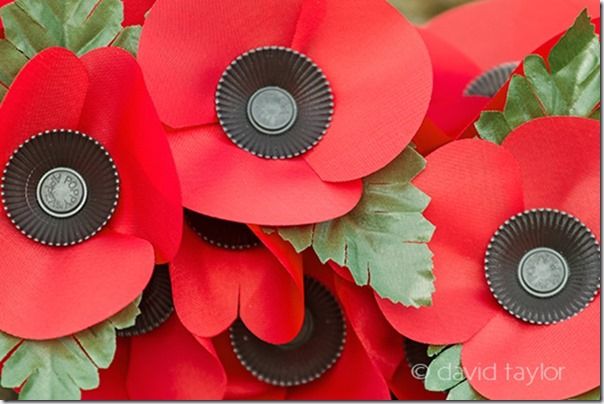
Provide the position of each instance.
(353, 377)
(497, 31)
(378, 106)
(135, 10)
(406, 387)
(113, 379)
(475, 186)
(218, 179)
(61, 291)
(210, 283)
(119, 113)
(383, 345)
(560, 163)
(187, 44)
(449, 109)
(563, 358)
(48, 93)
(170, 364)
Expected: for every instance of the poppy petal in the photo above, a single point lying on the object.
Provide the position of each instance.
(383, 345)
(211, 285)
(113, 380)
(497, 31)
(559, 158)
(552, 362)
(170, 364)
(223, 181)
(378, 106)
(61, 291)
(135, 10)
(48, 93)
(119, 113)
(187, 44)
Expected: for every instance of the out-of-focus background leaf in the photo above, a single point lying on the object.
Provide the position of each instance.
(420, 11)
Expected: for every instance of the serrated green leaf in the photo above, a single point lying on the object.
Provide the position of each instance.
(445, 371)
(129, 39)
(593, 395)
(596, 114)
(79, 25)
(434, 350)
(383, 241)
(464, 392)
(59, 369)
(571, 86)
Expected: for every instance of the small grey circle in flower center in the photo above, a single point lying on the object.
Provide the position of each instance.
(272, 110)
(543, 272)
(61, 192)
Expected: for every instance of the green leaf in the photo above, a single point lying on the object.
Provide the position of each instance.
(571, 86)
(434, 350)
(464, 392)
(593, 395)
(383, 241)
(59, 369)
(79, 25)
(445, 371)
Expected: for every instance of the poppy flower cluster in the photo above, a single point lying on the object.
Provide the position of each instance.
(162, 181)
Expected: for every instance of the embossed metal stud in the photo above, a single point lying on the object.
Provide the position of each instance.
(60, 187)
(274, 102)
(156, 305)
(543, 266)
(222, 233)
(312, 353)
(490, 82)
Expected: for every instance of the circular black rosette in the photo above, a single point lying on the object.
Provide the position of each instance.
(490, 82)
(156, 305)
(274, 102)
(416, 355)
(222, 233)
(60, 187)
(543, 266)
(313, 352)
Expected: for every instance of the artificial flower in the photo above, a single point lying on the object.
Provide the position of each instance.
(531, 207)
(90, 192)
(316, 104)
(135, 11)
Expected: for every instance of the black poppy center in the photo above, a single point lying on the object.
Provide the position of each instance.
(60, 187)
(222, 233)
(309, 355)
(487, 84)
(274, 102)
(543, 266)
(156, 305)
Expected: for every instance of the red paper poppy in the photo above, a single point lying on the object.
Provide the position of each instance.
(135, 10)
(546, 163)
(469, 41)
(187, 45)
(62, 290)
(213, 286)
(168, 363)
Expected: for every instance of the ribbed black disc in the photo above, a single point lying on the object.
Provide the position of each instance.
(416, 355)
(222, 233)
(491, 81)
(543, 266)
(156, 305)
(274, 102)
(314, 351)
(60, 187)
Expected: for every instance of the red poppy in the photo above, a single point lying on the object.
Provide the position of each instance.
(369, 355)
(550, 163)
(62, 290)
(135, 11)
(187, 46)
(213, 285)
(487, 38)
(168, 363)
